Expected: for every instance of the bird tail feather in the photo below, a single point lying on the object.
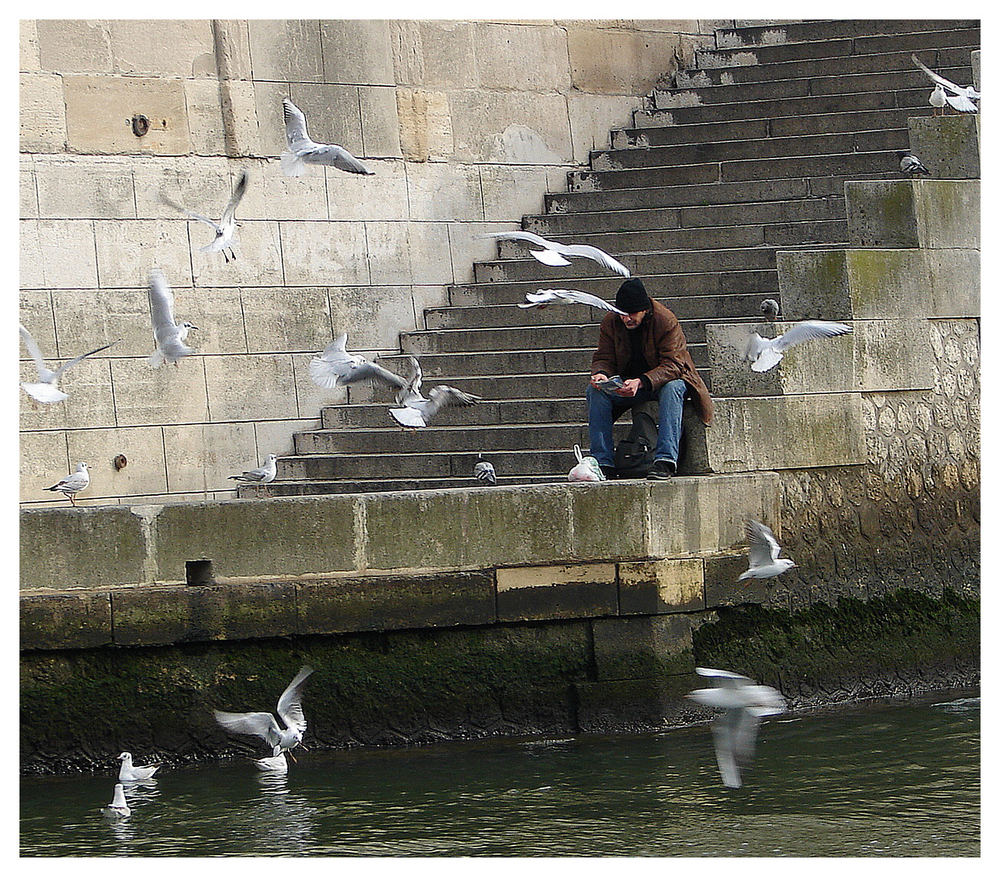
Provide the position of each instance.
(292, 165)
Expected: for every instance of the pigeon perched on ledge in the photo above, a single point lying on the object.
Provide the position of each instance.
(910, 165)
(484, 471)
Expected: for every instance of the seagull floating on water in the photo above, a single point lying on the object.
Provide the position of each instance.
(555, 253)
(130, 773)
(170, 335)
(72, 484)
(118, 808)
(910, 165)
(225, 228)
(303, 150)
(263, 475)
(264, 725)
(545, 297)
(764, 549)
(764, 354)
(417, 410)
(958, 97)
(484, 471)
(335, 367)
(735, 732)
(47, 387)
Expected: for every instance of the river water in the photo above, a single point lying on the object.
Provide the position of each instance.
(879, 779)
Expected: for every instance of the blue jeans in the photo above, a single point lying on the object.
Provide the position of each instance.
(603, 411)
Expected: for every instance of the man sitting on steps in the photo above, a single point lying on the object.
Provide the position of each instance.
(647, 348)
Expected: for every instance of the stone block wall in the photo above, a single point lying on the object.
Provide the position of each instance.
(466, 124)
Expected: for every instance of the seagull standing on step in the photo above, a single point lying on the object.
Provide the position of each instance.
(764, 550)
(335, 367)
(555, 253)
(417, 410)
(545, 297)
(170, 335)
(225, 228)
(264, 725)
(958, 97)
(72, 484)
(735, 732)
(764, 354)
(118, 808)
(129, 773)
(46, 389)
(910, 165)
(303, 150)
(261, 476)
(484, 471)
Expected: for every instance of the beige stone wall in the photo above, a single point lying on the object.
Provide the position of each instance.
(466, 124)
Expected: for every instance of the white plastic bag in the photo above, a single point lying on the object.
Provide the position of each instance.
(586, 468)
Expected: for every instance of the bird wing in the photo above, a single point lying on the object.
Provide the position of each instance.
(808, 330)
(290, 702)
(936, 77)
(723, 730)
(337, 157)
(755, 346)
(764, 547)
(328, 367)
(229, 214)
(586, 298)
(444, 396)
(204, 219)
(723, 678)
(519, 236)
(251, 475)
(597, 255)
(961, 103)
(76, 359)
(411, 390)
(295, 127)
(376, 372)
(407, 416)
(161, 303)
(76, 481)
(262, 725)
(44, 374)
(549, 257)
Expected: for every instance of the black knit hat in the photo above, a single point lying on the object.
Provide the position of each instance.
(632, 297)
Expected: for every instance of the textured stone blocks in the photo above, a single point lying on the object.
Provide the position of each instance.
(511, 127)
(501, 50)
(947, 145)
(643, 646)
(57, 254)
(618, 62)
(654, 587)
(60, 621)
(434, 54)
(542, 592)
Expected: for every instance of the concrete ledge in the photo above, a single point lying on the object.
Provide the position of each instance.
(947, 145)
(653, 587)
(913, 213)
(543, 592)
(878, 284)
(58, 621)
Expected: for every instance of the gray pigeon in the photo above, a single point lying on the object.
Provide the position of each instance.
(910, 165)
(484, 471)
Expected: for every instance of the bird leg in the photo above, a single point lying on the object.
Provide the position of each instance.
(291, 756)
(224, 256)
(70, 498)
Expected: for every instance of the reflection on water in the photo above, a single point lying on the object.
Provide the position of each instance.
(899, 779)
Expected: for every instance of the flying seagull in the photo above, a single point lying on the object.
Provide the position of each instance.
(764, 550)
(735, 732)
(225, 228)
(72, 484)
(545, 297)
(303, 150)
(170, 335)
(958, 97)
(264, 725)
(769, 308)
(130, 773)
(263, 475)
(764, 354)
(484, 471)
(910, 165)
(46, 389)
(335, 367)
(118, 808)
(417, 410)
(554, 253)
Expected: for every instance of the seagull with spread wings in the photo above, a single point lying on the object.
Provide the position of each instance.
(555, 253)
(958, 97)
(46, 388)
(417, 410)
(225, 228)
(545, 297)
(764, 550)
(170, 335)
(303, 150)
(335, 367)
(764, 354)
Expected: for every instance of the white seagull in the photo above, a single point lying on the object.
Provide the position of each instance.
(959, 97)
(335, 367)
(545, 297)
(170, 335)
(304, 150)
(910, 165)
(263, 475)
(225, 228)
(264, 725)
(764, 549)
(554, 253)
(274, 763)
(47, 387)
(72, 484)
(735, 732)
(484, 471)
(130, 773)
(418, 410)
(118, 808)
(764, 354)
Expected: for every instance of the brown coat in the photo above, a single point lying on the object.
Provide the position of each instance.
(663, 343)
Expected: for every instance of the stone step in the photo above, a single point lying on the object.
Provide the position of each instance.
(836, 48)
(550, 410)
(507, 362)
(384, 485)
(935, 57)
(769, 147)
(796, 32)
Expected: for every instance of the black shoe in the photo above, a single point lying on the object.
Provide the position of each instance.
(610, 472)
(662, 471)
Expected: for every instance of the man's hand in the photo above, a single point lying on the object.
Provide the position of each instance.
(630, 387)
(597, 379)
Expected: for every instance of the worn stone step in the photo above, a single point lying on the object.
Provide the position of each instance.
(769, 147)
(384, 485)
(548, 410)
(796, 32)
(507, 362)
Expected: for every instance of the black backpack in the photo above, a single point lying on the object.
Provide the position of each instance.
(634, 454)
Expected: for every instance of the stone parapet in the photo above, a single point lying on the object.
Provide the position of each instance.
(947, 145)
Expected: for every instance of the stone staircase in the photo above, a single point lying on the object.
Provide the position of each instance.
(743, 154)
